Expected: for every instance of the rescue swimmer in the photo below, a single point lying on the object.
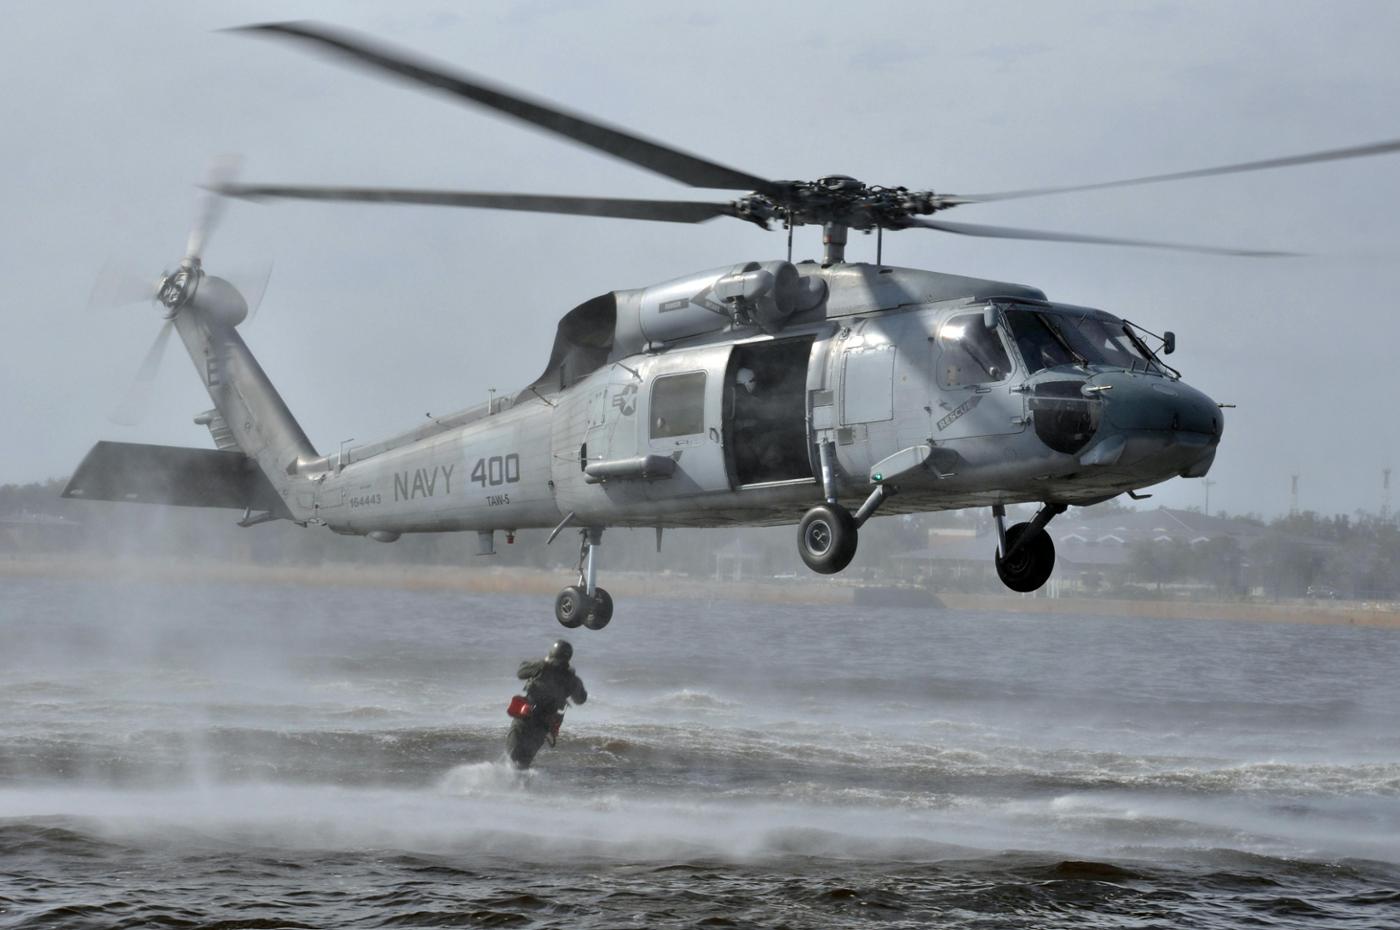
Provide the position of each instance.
(550, 684)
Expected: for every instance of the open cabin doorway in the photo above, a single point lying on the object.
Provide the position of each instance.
(765, 407)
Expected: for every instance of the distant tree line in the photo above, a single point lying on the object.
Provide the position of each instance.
(1304, 554)
(1300, 555)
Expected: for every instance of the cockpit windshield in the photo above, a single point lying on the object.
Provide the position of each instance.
(1106, 342)
(1041, 343)
(1047, 339)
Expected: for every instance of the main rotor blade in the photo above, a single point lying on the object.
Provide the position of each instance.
(1355, 151)
(1007, 232)
(671, 211)
(654, 156)
(133, 407)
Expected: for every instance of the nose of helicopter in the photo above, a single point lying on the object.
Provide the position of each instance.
(1156, 404)
(1164, 426)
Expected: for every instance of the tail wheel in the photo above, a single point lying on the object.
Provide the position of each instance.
(1032, 559)
(827, 538)
(570, 607)
(602, 611)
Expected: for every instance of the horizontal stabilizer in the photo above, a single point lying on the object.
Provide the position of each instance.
(174, 475)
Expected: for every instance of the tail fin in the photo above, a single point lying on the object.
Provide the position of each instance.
(255, 420)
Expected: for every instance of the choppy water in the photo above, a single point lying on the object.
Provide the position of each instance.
(213, 756)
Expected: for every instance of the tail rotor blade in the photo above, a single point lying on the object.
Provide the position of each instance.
(211, 206)
(117, 287)
(207, 216)
(138, 397)
(252, 284)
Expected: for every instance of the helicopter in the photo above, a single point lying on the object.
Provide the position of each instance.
(766, 392)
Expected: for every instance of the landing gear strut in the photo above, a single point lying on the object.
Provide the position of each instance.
(585, 604)
(1025, 554)
(828, 534)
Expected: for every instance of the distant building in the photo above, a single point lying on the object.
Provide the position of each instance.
(1088, 547)
(1083, 527)
(744, 559)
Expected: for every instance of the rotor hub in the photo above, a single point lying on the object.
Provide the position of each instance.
(841, 200)
(177, 290)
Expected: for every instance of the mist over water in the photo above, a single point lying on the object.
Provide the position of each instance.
(301, 756)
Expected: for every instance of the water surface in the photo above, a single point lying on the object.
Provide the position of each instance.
(219, 755)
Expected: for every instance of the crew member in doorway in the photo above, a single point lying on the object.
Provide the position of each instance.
(549, 685)
(758, 451)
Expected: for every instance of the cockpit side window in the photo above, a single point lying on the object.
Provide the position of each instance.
(970, 353)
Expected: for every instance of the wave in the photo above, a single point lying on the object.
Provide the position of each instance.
(814, 876)
(368, 712)
(488, 810)
(55, 836)
(689, 699)
(42, 689)
(484, 810)
(480, 779)
(662, 757)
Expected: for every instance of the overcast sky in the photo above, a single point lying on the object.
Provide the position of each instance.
(376, 315)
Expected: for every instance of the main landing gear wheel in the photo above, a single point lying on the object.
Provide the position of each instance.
(826, 538)
(1031, 561)
(570, 607)
(573, 608)
(601, 610)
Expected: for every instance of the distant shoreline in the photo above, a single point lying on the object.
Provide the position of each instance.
(813, 590)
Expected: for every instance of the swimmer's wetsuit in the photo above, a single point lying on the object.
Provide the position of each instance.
(547, 687)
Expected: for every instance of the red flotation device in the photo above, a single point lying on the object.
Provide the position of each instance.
(519, 707)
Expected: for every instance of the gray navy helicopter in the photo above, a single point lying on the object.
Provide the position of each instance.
(761, 393)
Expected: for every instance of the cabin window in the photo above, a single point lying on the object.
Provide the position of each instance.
(970, 352)
(678, 405)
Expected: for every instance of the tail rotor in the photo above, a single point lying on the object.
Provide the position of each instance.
(186, 287)
(137, 400)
